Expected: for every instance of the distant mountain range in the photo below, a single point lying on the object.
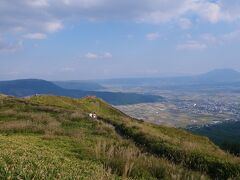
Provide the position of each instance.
(215, 76)
(216, 79)
(29, 87)
(220, 75)
(213, 79)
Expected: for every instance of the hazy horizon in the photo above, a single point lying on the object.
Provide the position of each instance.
(105, 39)
(167, 75)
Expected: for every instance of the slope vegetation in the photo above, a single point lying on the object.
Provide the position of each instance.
(52, 137)
(226, 135)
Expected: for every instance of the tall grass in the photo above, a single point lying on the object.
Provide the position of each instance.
(29, 122)
(29, 157)
(214, 166)
(128, 161)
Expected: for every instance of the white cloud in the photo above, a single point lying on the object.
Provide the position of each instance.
(210, 40)
(53, 26)
(37, 3)
(91, 56)
(191, 45)
(208, 10)
(230, 9)
(48, 16)
(9, 46)
(221, 39)
(185, 23)
(232, 36)
(37, 36)
(152, 36)
(105, 55)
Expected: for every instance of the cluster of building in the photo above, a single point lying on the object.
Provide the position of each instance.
(207, 106)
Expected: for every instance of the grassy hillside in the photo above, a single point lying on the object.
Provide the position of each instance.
(52, 137)
(226, 135)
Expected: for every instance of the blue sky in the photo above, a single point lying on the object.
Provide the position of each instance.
(94, 39)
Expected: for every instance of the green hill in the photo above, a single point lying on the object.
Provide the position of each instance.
(30, 87)
(49, 137)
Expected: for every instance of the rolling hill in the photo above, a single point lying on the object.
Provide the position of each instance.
(29, 87)
(52, 137)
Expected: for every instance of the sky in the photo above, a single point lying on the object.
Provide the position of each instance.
(99, 39)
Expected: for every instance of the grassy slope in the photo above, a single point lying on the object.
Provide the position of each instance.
(53, 136)
(191, 151)
(29, 157)
(226, 135)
